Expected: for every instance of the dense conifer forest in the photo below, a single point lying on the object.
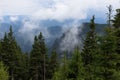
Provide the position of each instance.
(99, 59)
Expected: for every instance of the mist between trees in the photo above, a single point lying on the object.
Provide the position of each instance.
(99, 59)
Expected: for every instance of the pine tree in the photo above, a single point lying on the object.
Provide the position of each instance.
(89, 52)
(0, 51)
(62, 72)
(53, 63)
(4, 46)
(35, 60)
(116, 33)
(11, 54)
(38, 56)
(116, 25)
(116, 20)
(109, 57)
(76, 69)
(24, 67)
(109, 15)
(3, 72)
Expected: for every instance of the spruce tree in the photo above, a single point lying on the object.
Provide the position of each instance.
(75, 66)
(116, 33)
(11, 54)
(4, 46)
(116, 26)
(0, 51)
(53, 63)
(3, 72)
(89, 52)
(38, 56)
(116, 20)
(62, 72)
(109, 15)
(109, 53)
(24, 66)
(109, 57)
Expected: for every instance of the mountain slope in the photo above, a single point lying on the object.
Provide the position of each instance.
(74, 37)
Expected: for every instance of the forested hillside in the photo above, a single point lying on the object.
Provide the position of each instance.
(97, 59)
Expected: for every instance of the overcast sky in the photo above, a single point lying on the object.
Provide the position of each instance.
(56, 9)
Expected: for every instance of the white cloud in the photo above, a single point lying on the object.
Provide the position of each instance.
(30, 29)
(59, 10)
(71, 39)
(13, 18)
(17, 7)
(54, 9)
(1, 19)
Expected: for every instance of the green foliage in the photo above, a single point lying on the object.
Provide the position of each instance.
(89, 52)
(116, 25)
(76, 68)
(109, 57)
(3, 72)
(53, 64)
(62, 72)
(116, 20)
(99, 59)
(10, 54)
(109, 15)
(24, 67)
(38, 56)
(116, 34)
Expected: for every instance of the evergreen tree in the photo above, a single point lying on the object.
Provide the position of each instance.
(62, 72)
(89, 52)
(0, 51)
(3, 47)
(109, 57)
(38, 56)
(116, 25)
(11, 54)
(76, 69)
(116, 20)
(109, 15)
(116, 33)
(3, 72)
(24, 67)
(53, 63)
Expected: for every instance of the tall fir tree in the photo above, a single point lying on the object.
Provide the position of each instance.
(53, 63)
(116, 33)
(116, 20)
(75, 66)
(89, 52)
(62, 72)
(38, 56)
(4, 46)
(109, 57)
(109, 15)
(116, 25)
(3, 72)
(0, 51)
(11, 54)
(24, 66)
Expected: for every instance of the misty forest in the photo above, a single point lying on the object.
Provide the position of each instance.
(95, 54)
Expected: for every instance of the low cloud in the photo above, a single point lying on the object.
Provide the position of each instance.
(58, 10)
(71, 38)
(1, 19)
(31, 28)
(13, 18)
(55, 9)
